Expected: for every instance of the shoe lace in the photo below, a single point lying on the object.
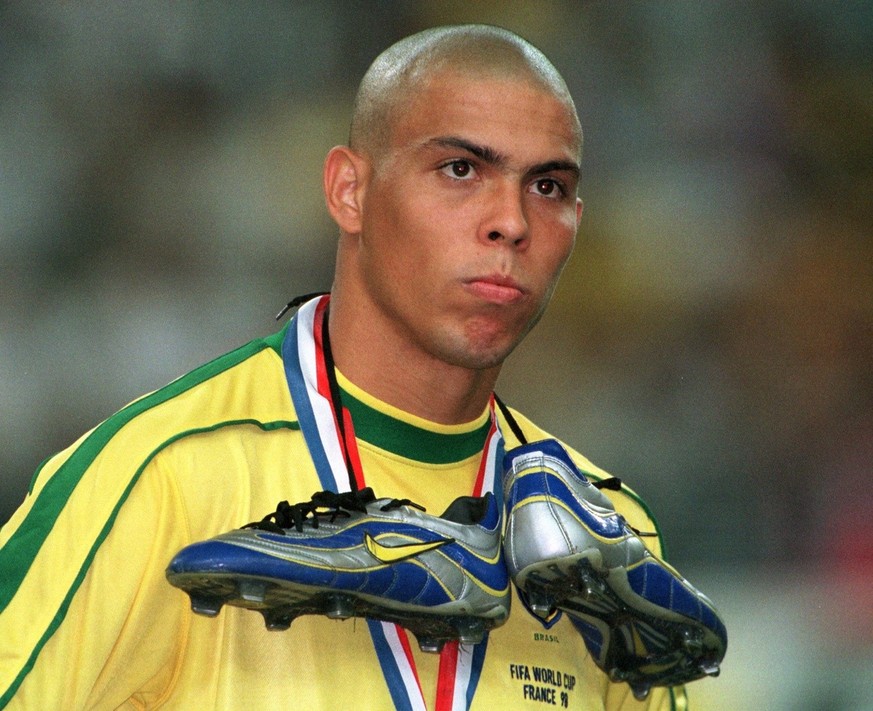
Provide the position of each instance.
(323, 505)
(397, 503)
(613, 483)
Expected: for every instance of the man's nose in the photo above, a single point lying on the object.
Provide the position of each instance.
(505, 219)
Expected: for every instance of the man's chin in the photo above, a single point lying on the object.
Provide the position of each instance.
(482, 354)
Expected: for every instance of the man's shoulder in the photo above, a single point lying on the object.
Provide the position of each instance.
(245, 385)
(531, 432)
(241, 383)
(626, 500)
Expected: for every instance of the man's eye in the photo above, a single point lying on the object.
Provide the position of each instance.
(548, 188)
(458, 169)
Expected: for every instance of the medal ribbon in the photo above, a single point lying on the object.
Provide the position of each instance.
(331, 442)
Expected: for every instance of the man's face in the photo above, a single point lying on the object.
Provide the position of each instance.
(469, 215)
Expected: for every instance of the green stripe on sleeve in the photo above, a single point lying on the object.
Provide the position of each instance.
(68, 599)
(17, 556)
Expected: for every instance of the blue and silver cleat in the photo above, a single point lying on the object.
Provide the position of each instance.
(351, 555)
(567, 549)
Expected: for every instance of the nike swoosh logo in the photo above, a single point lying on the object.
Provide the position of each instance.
(393, 554)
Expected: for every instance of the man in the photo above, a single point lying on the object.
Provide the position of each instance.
(457, 209)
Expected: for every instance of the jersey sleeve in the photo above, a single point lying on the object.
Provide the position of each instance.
(86, 617)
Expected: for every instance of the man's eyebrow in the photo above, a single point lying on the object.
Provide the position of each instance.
(492, 157)
(483, 153)
(553, 166)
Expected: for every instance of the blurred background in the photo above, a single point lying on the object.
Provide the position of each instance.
(712, 339)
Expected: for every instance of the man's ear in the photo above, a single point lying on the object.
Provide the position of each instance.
(344, 179)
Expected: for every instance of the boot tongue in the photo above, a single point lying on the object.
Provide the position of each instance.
(467, 509)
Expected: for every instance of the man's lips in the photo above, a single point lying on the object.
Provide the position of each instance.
(497, 289)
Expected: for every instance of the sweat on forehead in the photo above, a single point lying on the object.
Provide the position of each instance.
(479, 51)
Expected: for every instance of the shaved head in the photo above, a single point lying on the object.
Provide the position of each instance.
(457, 203)
(473, 51)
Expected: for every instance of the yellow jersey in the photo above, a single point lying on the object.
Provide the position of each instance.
(88, 620)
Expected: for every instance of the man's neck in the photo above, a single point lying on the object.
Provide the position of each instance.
(394, 371)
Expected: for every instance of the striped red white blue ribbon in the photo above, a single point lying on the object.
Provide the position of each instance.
(306, 372)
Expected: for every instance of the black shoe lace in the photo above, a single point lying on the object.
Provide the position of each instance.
(323, 505)
(612, 483)
(397, 503)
